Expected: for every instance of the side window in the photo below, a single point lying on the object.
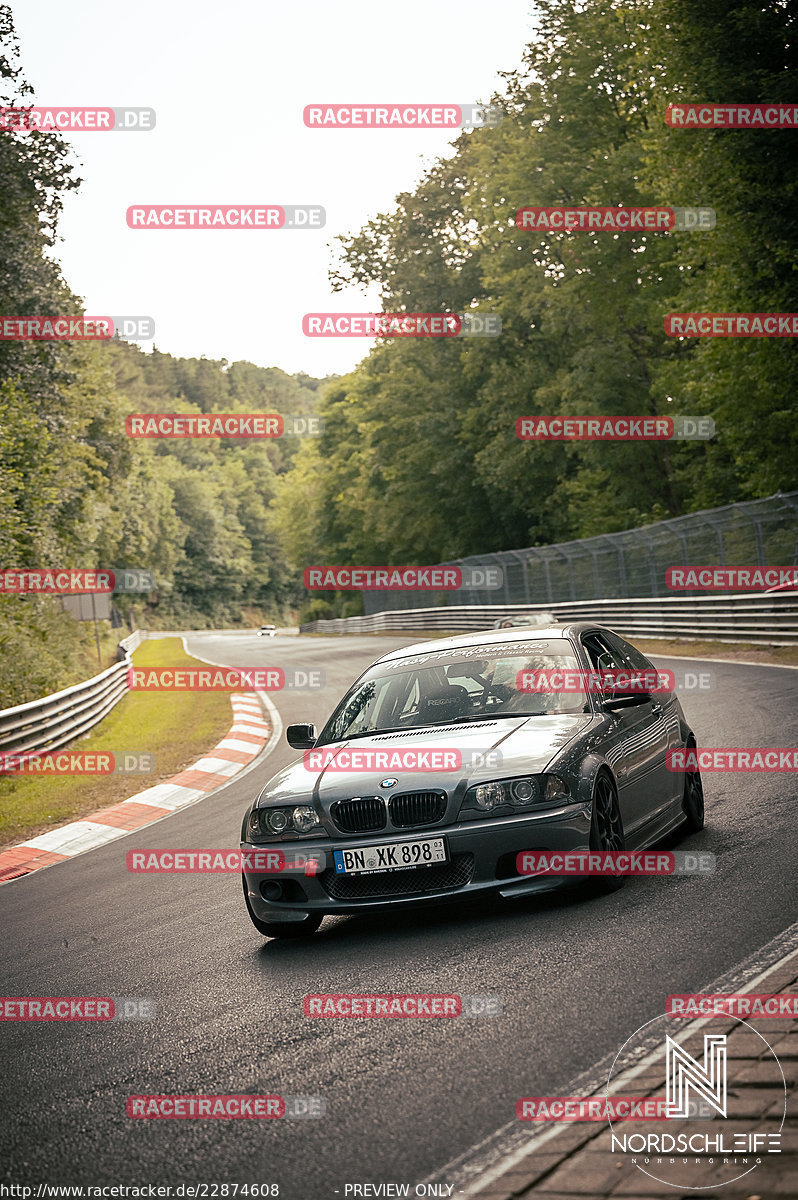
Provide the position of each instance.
(602, 655)
(634, 657)
(606, 653)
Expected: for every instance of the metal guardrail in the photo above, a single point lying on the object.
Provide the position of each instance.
(767, 618)
(49, 723)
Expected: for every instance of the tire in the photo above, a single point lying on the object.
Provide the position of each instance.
(283, 929)
(693, 799)
(606, 829)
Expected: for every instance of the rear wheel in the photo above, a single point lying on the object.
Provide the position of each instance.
(693, 799)
(282, 929)
(606, 829)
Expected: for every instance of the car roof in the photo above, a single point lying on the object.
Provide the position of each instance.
(495, 637)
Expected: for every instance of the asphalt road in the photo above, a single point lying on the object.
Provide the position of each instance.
(404, 1097)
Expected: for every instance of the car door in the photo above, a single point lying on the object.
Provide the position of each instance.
(667, 785)
(636, 741)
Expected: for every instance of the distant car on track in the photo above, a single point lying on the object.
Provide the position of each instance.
(542, 618)
(267, 631)
(552, 770)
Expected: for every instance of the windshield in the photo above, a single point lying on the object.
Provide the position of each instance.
(461, 685)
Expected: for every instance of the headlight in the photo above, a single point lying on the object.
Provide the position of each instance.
(518, 792)
(555, 790)
(488, 795)
(271, 822)
(304, 819)
(526, 791)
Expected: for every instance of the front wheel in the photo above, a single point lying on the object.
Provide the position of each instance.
(282, 929)
(606, 829)
(693, 799)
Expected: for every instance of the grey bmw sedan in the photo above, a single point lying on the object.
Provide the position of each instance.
(447, 760)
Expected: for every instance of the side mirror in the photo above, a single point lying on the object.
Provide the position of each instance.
(301, 737)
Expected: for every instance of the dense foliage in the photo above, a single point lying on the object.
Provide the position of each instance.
(76, 491)
(419, 461)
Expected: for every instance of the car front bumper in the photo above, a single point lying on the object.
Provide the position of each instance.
(481, 860)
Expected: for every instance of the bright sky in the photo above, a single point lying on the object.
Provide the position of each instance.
(229, 82)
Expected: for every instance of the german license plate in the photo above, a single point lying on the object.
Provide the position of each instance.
(393, 856)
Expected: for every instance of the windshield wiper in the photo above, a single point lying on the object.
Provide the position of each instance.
(365, 733)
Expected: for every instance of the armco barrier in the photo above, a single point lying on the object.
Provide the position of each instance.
(767, 618)
(51, 722)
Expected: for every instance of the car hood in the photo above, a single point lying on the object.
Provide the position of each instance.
(491, 749)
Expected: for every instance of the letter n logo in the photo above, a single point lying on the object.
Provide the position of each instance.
(707, 1081)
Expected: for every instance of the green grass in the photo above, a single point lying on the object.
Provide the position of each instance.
(176, 727)
(743, 651)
